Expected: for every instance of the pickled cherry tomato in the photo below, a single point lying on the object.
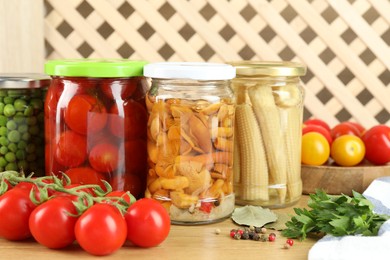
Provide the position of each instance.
(104, 157)
(86, 175)
(128, 182)
(128, 119)
(85, 114)
(118, 89)
(71, 149)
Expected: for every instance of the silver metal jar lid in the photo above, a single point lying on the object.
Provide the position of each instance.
(23, 80)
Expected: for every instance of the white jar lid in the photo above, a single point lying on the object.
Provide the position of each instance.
(190, 70)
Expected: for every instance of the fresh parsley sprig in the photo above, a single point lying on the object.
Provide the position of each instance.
(337, 215)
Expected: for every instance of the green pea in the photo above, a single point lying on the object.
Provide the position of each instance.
(29, 111)
(26, 136)
(20, 104)
(9, 110)
(22, 145)
(41, 117)
(32, 120)
(2, 105)
(10, 157)
(22, 129)
(3, 150)
(12, 147)
(33, 130)
(37, 103)
(8, 100)
(3, 93)
(3, 161)
(23, 165)
(11, 125)
(17, 92)
(30, 148)
(20, 154)
(14, 136)
(3, 120)
(3, 131)
(20, 119)
(4, 140)
(11, 167)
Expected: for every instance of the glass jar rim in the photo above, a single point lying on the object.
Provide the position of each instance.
(190, 70)
(269, 68)
(23, 80)
(99, 68)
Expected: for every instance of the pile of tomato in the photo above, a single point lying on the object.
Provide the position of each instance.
(58, 215)
(345, 144)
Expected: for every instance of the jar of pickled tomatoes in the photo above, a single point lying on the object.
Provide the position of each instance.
(190, 140)
(95, 122)
(268, 132)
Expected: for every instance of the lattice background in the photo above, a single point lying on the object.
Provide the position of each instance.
(344, 43)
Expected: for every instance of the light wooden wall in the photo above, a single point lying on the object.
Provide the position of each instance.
(21, 36)
(344, 43)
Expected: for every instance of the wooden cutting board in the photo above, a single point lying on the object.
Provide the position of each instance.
(336, 179)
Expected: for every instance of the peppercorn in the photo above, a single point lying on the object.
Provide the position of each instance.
(237, 236)
(290, 242)
(263, 238)
(286, 246)
(272, 237)
(233, 232)
(257, 229)
(255, 237)
(245, 235)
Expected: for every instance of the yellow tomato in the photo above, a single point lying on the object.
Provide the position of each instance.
(315, 149)
(347, 150)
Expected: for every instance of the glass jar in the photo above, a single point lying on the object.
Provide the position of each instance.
(190, 140)
(268, 133)
(95, 117)
(21, 122)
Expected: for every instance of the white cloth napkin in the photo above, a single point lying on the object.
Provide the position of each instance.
(359, 247)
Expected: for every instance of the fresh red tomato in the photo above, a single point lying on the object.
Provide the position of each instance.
(52, 223)
(318, 129)
(101, 229)
(128, 182)
(344, 128)
(145, 217)
(15, 210)
(377, 142)
(119, 89)
(71, 149)
(317, 121)
(86, 175)
(85, 114)
(128, 119)
(104, 157)
(358, 127)
(129, 198)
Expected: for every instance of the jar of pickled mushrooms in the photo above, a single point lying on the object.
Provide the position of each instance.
(267, 154)
(190, 140)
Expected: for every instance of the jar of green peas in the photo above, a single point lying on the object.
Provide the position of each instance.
(22, 138)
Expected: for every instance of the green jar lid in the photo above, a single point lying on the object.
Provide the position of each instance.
(95, 68)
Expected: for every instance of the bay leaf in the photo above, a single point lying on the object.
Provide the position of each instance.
(253, 216)
(280, 223)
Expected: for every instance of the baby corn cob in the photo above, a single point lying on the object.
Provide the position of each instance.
(268, 116)
(236, 166)
(254, 170)
(292, 139)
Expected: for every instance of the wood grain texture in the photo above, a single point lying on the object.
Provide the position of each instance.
(21, 36)
(337, 180)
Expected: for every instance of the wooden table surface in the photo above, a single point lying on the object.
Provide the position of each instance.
(183, 242)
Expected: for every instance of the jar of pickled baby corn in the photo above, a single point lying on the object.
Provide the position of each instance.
(190, 140)
(95, 122)
(267, 154)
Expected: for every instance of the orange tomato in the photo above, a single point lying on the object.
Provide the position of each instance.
(315, 149)
(347, 150)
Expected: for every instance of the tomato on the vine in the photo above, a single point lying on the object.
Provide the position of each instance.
(315, 149)
(129, 198)
(377, 142)
(71, 149)
(101, 229)
(148, 223)
(15, 210)
(104, 157)
(85, 114)
(52, 222)
(347, 150)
